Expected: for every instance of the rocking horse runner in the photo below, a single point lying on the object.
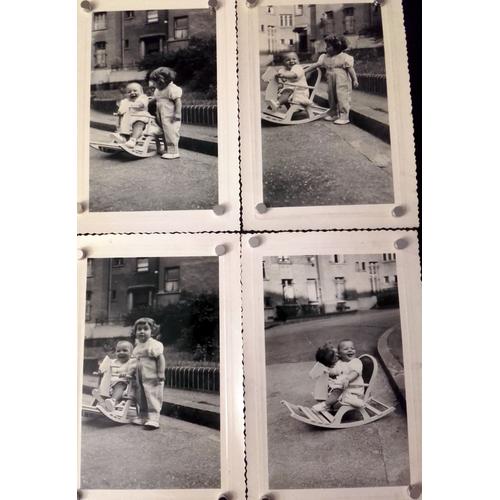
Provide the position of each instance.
(349, 394)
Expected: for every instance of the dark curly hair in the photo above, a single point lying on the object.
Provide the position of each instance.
(339, 43)
(326, 354)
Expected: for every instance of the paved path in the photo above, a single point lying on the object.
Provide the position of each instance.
(179, 455)
(298, 342)
(319, 163)
(301, 456)
(118, 183)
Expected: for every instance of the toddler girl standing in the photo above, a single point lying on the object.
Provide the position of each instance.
(168, 108)
(150, 373)
(341, 78)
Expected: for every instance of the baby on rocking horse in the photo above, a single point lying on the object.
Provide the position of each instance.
(344, 369)
(292, 84)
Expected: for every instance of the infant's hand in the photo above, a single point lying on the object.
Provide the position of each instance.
(175, 119)
(161, 378)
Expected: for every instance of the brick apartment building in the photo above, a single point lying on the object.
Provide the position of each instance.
(121, 39)
(116, 286)
(302, 27)
(327, 283)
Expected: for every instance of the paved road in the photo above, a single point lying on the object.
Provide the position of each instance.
(301, 456)
(118, 183)
(319, 163)
(179, 455)
(298, 341)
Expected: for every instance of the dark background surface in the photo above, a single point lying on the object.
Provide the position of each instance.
(413, 25)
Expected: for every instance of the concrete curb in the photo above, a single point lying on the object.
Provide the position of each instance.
(189, 143)
(393, 368)
(194, 414)
(373, 126)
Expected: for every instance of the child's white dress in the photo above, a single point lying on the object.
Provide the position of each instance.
(149, 387)
(165, 111)
(300, 88)
(131, 112)
(355, 391)
(339, 81)
(118, 370)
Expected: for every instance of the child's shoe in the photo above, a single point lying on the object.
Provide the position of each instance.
(118, 138)
(275, 105)
(170, 156)
(137, 421)
(330, 118)
(341, 121)
(151, 425)
(320, 407)
(110, 404)
(131, 143)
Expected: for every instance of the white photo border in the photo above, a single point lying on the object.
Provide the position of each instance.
(227, 114)
(359, 242)
(401, 133)
(232, 479)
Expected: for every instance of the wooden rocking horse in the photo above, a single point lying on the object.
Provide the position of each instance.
(125, 411)
(296, 114)
(372, 409)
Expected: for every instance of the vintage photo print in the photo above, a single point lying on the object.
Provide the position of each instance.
(152, 403)
(325, 110)
(156, 84)
(336, 394)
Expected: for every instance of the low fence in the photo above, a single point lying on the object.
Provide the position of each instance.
(200, 114)
(191, 378)
(373, 84)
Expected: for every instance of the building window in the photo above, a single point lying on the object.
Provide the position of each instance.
(285, 20)
(88, 305)
(151, 45)
(126, 44)
(299, 10)
(129, 14)
(172, 279)
(291, 41)
(282, 41)
(329, 14)
(270, 9)
(118, 262)
(90, 268)
(288, 291)
(396, 279)
(113, 295)
(99, 21)
(312, 291)
(152, 16)
(100, 54)
(262, 27)
(142, 265)
(363, 266)
(349, 27)
(284, 259)
(386, 279)
(181, 27)
(338, 258)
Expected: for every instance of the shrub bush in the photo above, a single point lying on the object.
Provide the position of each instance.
(195, 65)
(388, 298)
(192, 321)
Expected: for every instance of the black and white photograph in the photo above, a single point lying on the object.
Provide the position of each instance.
(153, 111)
(151, 374)
(324, 108)
(336, 407)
